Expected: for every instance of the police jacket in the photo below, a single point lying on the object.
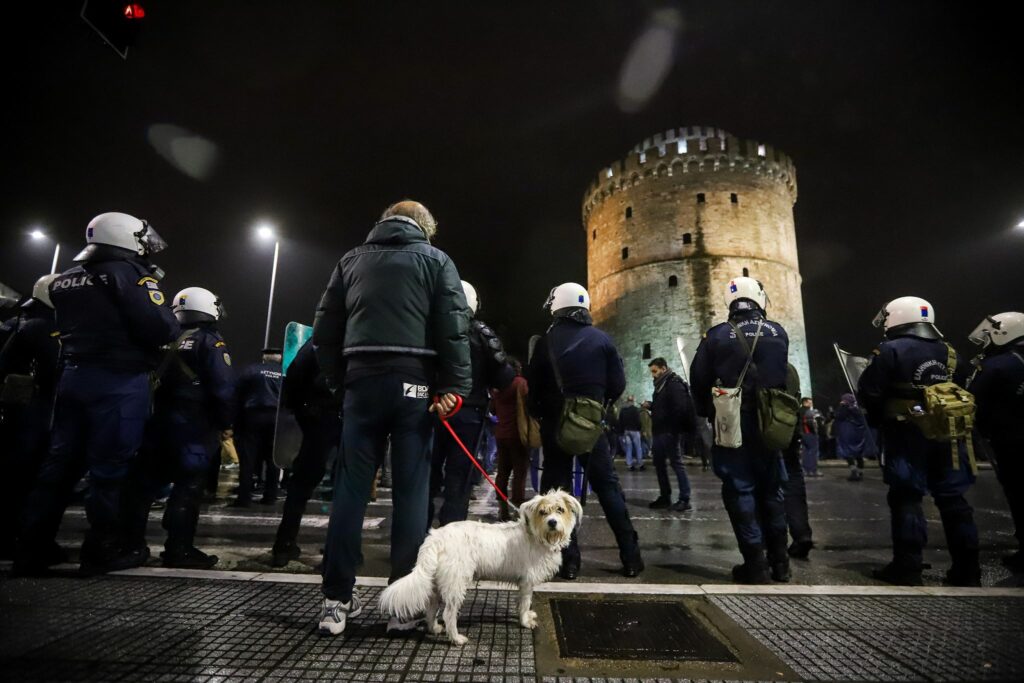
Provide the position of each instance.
(304, 389)
(629, 419)
(111, 313)
(587, 360)
(672, 407)
(491, 369)
(396, 294)
(998, 388)
(897, 365)
(720, 358)
(259, 386)
(198, 377)
(31, 347)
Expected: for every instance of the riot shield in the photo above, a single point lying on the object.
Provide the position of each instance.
(287, 435)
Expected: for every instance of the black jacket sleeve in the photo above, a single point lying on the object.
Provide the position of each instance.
(616, 381)
(449, 317)
(702, 378)
(145, 312)
(218, 379)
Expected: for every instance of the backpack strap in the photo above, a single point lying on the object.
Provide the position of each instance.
(749, 349)
(950, 360)
(554, 366)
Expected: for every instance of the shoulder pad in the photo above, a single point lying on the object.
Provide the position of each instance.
(220, 343)
(875, 352)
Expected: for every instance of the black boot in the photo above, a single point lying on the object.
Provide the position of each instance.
(284, 554)
(660, 503)
(187, 558)
(800, 549)
(780, 572)
(899, 575)
(754, 569)
(966, 570)
(682, 505)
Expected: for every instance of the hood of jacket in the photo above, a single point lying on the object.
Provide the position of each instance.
(396, 230)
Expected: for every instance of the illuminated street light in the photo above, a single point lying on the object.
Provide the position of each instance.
(266, 232)
(1020, 226)
(38, 235)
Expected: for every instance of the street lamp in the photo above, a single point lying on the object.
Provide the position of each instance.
(38, 235)
(1020, 226)
(266, 233)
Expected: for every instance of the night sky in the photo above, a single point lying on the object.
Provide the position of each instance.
(904, 121)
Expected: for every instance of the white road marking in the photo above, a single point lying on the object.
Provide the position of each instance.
(586, 587)
(217, 518)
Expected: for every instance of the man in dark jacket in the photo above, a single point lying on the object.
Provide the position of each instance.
(28, 380)
(257, 395)
(629, 423)
(751, 346)
(193, 411)
(671, 415)
(491, 370)
(113, 319)
(318, 412)
(586, 364)
(912, 356)
(998, 388)
(392, 328)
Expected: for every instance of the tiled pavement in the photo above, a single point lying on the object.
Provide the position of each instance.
(127, 628)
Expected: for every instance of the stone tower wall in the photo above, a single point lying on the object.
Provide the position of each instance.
(648, 203)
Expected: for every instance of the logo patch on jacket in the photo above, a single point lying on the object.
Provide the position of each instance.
(415, 391)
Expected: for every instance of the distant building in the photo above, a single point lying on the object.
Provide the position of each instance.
(671, 224)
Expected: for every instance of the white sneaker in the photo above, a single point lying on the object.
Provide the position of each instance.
(334, 614)
(396, 626)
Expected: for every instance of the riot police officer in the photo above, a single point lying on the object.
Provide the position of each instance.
(113, 319)
(998, 388)
(193, 411)
(753, 347)
(258, 392)
(913, 356)
(450, 466)
(575, 358)
(304, 391)
(28, 380)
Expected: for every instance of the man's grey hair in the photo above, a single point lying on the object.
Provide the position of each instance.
(415, 211)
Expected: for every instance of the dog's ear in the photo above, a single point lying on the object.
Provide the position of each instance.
(574, 505)
(526, 511)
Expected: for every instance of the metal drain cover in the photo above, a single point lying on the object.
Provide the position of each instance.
(631, 630)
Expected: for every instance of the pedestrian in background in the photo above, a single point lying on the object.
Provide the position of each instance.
(629, 423)
(851, 435)
(258, 393)
(809, 426)
(513, 454)
(672, 415)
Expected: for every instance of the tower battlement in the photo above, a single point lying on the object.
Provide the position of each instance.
(691, 149)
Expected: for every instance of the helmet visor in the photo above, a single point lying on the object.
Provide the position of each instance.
(982, 334)
(550, 299)
(150, 239)
(221, 311)
(880, 319)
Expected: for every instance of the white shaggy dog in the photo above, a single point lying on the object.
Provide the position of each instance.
(526, 552)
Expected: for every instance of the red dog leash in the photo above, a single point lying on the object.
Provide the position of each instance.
(444, 421)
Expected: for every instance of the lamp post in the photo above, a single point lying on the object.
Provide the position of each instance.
(38, 235)
(266, 233)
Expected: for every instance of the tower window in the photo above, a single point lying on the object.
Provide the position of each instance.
(687, 238)
(629, 212)
(746, 272)
(673, 281)
(647, 351)
(734, 198)
(761, 151)
(625, 253)
(700, 197)
(594, 235)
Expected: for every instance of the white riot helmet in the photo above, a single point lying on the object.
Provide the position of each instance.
(121, 230)
(909, 314)
(568, 295)
(746, 288)
(471, 297)
(1001, 329)
(41, 289)
(195, 304)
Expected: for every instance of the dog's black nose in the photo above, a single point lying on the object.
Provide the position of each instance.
(552, 523)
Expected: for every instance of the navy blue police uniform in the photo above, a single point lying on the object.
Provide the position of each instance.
(317, 410)
(751, 475)
(28, 349)
(450, 468)
(113, 318)
(258, 393)
(998, 388)
(794, 486)
(193, 405)
(914, 465)
(590, 366)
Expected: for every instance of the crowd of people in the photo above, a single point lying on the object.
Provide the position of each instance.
(103, 377)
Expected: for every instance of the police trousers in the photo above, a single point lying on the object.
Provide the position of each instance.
(913, 467)
(1009, 465)
(376, 407)
(794, 491)
(98, 424)
(752, 477)
(602, 477)
(257, 452)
